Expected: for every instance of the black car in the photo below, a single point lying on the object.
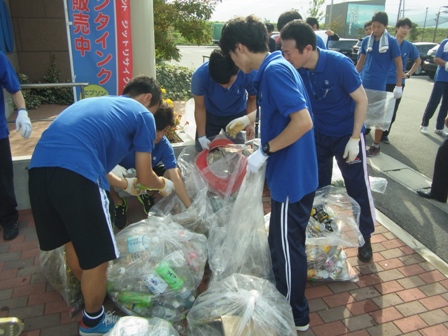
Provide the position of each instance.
(429, 66)
(343, 45)
(423, 48)
(355, 50)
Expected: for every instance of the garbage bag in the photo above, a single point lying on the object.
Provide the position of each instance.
(241, 305)
(139, 326)
(54, 267)
(241, 244)
(380, 109)
(160, 266)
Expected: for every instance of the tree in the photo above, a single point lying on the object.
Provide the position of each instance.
(188, 17)
(315, 11)
(414, 32)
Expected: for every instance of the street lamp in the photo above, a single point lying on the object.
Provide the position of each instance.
(437, 19)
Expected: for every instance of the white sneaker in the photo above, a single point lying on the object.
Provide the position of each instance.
(303, 328)
(423, 129)
(440, 132)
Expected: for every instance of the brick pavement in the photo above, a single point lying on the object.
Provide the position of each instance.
(398, 293)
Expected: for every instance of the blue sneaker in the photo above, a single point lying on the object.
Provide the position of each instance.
(107, 323)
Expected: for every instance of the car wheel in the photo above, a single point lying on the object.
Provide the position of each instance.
(418, 71)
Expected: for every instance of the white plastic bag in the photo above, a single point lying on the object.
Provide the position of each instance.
(380, 109)
(139, 326)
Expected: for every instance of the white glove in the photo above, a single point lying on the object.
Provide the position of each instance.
(168, 187)
(446, 66)
(119, 171)
(255, 161)
(133, 188)
(205, 143)
(398, 92)
(237, 125)
(351, 150)
(24, 123)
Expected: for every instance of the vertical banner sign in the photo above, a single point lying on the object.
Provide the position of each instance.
(100, 36)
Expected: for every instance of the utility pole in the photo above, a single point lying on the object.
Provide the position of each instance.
(399, 9)
(424, 25)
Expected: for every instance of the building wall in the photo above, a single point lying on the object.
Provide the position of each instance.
(40, 33)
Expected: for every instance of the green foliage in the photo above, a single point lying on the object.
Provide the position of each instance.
(413, 33)
(315, 10)
(176, 80)
(36, 97)
(187, 17)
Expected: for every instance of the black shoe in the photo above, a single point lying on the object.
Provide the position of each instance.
(385, 139)
(11, 232)
(365, 252)
(146, 201)
(429, 195)
(120, 215)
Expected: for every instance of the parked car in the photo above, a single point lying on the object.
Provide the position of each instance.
(429, 66)
(343, 45)
(423, 48)
(355, 51)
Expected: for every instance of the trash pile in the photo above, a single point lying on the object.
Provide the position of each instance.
(160, 266)
(139, 326)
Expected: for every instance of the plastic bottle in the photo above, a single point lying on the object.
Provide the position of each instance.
(141, 243)
(141, 299)
(155, 283)
(167, 273)
(164, 313)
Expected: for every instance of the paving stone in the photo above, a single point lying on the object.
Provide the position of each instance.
(388, 300)
(364, 293)
(342, 286)
(13, 303)
(317, 305)
(386, 315)
(29, 271)
(359, 322)
(411, 282)
(27, 290)
(5, 294)
(412, 259)
(331, 329)
(432, 276)
(392, 253)
(369, 268)
(427, 266)
(434, 317)
(434, 302)
(411, 323)
(338, 299)
(388, 329)
(368, 280)
(66, 330)
(19, 264)
(316, 292)
(334, 314)
(435, 330)
(390, 263)
(27, 312)
(16, 282)
(411, 294)
(393, 243)
(41, 298)
(410, 270)
(390, 275)
(10, 256)
(315, 320)
(362, 307)
(42, 322)
(411, 308)
(388, 287)
(433, 289)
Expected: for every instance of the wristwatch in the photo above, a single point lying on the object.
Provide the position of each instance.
(408, 75)
(266, 149)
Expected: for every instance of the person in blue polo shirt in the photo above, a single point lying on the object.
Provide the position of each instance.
(339, 105)
(221, 93)
(439, 91)
(408, 51)
(163, 163)
(69, 180)
(287, 148)
(377, 54)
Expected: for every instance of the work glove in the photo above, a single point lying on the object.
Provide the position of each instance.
(188, 216)
(446, 66)
(237, 125)
(255, 161)
(119, 171)
(351, 150)
(168, 187)
(205, 143)
(133, 187)
(398, 92)
(24, 123)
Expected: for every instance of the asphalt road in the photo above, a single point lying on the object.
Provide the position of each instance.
(424, 220)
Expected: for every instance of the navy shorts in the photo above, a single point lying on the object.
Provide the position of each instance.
(68, 207)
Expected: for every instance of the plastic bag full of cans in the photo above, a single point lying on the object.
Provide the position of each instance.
(160, 266)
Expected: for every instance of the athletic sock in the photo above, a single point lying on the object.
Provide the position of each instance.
(92, 319)
(376, 145)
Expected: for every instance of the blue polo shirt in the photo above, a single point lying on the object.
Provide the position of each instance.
(377, 65)
(93, 135)
(291, 172)
(320, 42)
(218, 100)
(442, 52)
(329, 87)
(162, 152)
(9, 82)
(408, 51)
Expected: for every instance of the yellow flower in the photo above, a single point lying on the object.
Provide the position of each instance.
(163, 90)
(169, 102)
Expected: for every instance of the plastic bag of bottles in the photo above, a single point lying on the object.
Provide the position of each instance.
(241, 305)
(241, 245)
(139, 326)
(160, 266)
(60, 276)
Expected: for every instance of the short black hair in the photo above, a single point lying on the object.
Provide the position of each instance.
(249, 31)
(286, 17)
(381, 17)
(142, 85)
(269, 27)
(368, 23)
(221, 67)
(164, 117)
(300, 32)
(312, 21)
(403, 22)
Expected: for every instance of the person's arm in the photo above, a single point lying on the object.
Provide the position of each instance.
(416, 64)
(360, 63)
(440, 61)
(116, 181)
(360, 98)
(399, 70)
(199, 115)
(145, 174)
(179, 186)
(251, 106)
(19, 100)
(332, 36)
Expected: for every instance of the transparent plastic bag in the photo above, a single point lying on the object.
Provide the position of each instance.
(54, 267)
(139, 326)
(241, 245)
(378, 184)
(160, 266)
(241, 305)
(380, 109)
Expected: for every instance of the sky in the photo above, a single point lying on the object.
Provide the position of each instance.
(271, 9)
